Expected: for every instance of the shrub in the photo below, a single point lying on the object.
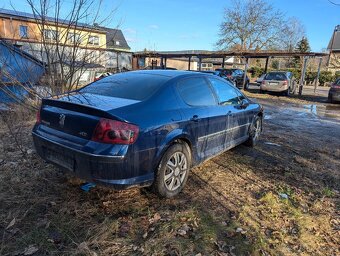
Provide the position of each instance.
(256, 71)
(326, 76)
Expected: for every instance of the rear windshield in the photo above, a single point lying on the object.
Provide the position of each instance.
(127, 86)
(337, 82)
(276, 76)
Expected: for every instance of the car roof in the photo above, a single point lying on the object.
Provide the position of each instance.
(168, 73)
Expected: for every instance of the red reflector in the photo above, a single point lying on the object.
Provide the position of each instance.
(38, 117)
(115, 132)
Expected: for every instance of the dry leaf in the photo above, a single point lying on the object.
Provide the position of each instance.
(11, 224)
(30, 250)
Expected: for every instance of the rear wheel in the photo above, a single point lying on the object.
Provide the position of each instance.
(254, 132)
(173, 171)
(330, 99)
(287, 92)
(247, 85)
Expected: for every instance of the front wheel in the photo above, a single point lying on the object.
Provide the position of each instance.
(254, 132)
(173, 171)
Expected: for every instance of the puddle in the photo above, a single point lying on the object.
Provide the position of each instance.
(332, 111)
(267, 117)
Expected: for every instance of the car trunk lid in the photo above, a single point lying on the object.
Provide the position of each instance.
(79, 114)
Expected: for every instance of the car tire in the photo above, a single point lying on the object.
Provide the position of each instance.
(173, 171)
(287, 92)
(330, 98)
(247, 85)
(255, 130)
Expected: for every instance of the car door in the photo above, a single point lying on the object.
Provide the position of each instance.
(237, 116)
(204, 123)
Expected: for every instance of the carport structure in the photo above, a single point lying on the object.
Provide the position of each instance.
(223, 55)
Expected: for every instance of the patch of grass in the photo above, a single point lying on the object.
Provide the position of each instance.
(328, 192)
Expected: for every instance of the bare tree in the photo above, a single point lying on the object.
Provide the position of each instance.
(65, 39)
(250, 25)
(292, 32)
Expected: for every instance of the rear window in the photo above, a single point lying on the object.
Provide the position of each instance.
(127, 86)
(276, 76)
(337, 82)
(196, 92)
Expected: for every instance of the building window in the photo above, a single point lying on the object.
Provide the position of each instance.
(117, 43)
(23, 31)
(94, 40)
(50, 34)
(74, 38)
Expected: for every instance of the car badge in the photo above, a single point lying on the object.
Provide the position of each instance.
(62, 120)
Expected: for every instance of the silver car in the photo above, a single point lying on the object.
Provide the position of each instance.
(279, 81)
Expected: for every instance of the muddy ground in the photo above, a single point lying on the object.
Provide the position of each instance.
(280, 198)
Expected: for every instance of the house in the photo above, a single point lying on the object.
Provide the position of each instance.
(334, 51)
(118, 52)
(42, 37)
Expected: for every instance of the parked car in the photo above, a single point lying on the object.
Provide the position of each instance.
(235, 75)
(145, 128)
(260, 79)
(279, 81)
(334, 92)
(220, 74)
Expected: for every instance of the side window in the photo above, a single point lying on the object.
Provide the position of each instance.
(226, 93)
(196, 92)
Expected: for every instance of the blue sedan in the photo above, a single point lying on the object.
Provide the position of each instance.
(145, 128)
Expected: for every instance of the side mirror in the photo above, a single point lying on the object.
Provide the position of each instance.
(244, 103)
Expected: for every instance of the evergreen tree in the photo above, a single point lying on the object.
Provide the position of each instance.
(301, 46)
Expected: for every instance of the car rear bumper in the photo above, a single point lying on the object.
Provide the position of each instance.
(114, 171)
(334, 95)
(274, 88)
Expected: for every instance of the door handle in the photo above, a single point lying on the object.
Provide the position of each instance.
(195, 118)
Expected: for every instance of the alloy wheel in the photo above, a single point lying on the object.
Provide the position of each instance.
(176, 169)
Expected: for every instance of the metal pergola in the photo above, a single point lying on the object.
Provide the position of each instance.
(246, 55)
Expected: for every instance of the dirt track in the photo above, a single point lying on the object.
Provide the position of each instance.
(233, 204)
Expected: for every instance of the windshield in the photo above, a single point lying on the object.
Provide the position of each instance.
(276, 76)
(126, 85)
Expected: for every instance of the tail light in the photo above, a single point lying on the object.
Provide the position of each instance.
(285, 82)
(38, 117)
(115, 132)
(229, 76)
(336, 86)
(263, 82)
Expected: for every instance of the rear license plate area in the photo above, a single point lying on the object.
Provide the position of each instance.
(59, 158)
